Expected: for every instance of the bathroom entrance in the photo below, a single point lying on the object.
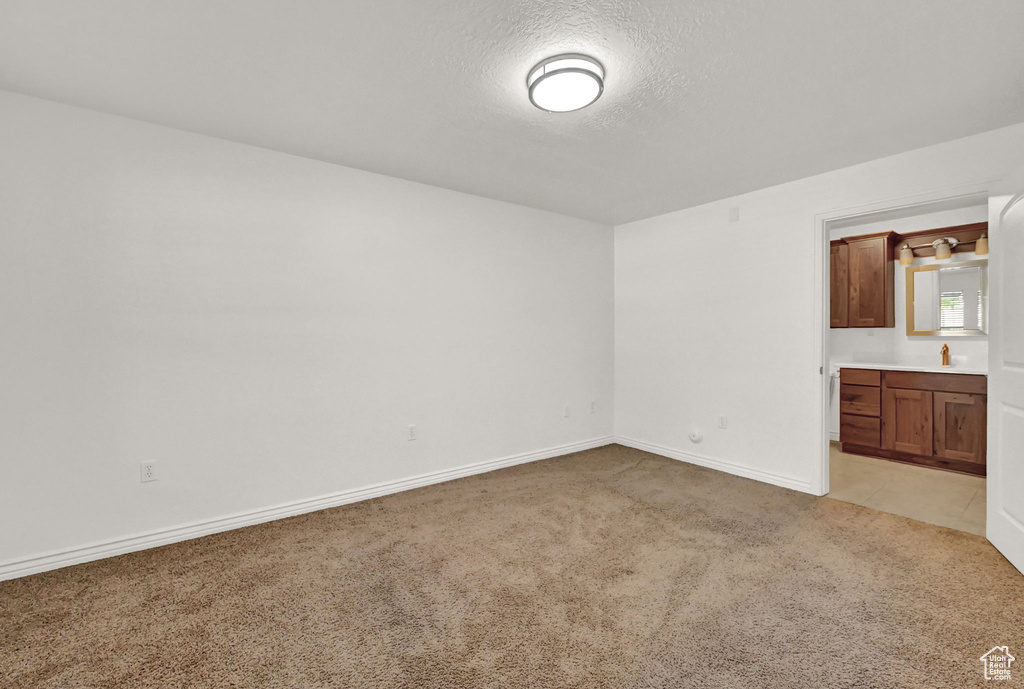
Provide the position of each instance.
(907, 342)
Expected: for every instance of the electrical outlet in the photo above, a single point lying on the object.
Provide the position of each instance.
(566, 412)
(593, 407)
(412, 433)
(147, 471)
(723, 421)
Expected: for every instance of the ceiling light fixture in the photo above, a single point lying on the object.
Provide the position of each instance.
(565, 83)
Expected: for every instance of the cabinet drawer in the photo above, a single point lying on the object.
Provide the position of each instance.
(939, 382)
(860, 430)
(860, 399)
(860, 376)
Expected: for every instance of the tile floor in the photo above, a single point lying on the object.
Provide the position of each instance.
(928, 495)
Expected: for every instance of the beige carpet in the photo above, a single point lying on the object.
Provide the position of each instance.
(607, 568)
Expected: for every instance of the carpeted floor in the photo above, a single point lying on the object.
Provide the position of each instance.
(606, 568)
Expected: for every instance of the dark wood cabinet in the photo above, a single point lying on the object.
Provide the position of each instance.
(839, 296)
(907, 421)
(862, 281)
(934, 419)
(960, 421)
(872, 280)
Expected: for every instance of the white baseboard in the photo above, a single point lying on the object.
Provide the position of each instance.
(72, 556)
(720, 465)
(833, 435)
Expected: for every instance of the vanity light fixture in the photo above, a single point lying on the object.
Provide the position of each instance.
(943, 249)
(564, 83)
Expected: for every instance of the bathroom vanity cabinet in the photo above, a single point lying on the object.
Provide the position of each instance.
(934, 419)
(862, 281)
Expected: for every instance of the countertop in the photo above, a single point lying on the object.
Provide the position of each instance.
(965, 369)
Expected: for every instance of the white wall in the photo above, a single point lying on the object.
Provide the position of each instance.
(265, 327)
(696, 334)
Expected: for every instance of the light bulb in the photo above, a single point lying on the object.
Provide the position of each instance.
(565, 83)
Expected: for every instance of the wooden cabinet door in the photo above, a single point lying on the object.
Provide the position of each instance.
(870, 279)
(839, 290)
(960, 430)
(907, 421)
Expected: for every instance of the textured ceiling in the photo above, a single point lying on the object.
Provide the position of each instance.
(704, 99)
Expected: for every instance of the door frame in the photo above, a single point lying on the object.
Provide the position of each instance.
(975, 193)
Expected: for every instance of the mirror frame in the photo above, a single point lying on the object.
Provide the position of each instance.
(911, 332)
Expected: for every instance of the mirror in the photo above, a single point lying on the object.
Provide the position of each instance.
(948, 299)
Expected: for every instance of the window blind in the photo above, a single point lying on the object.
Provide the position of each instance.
(951, 310)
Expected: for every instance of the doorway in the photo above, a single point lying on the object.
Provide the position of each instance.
(886, 396)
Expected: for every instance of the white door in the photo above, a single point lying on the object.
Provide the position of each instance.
(1005, 518)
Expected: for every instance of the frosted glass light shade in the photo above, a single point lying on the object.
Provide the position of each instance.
(565, 83)
(942, 249)
(981, 247)
(906, 255)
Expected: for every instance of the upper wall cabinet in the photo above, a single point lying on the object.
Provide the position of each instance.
(863, 281)
(839, 263)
